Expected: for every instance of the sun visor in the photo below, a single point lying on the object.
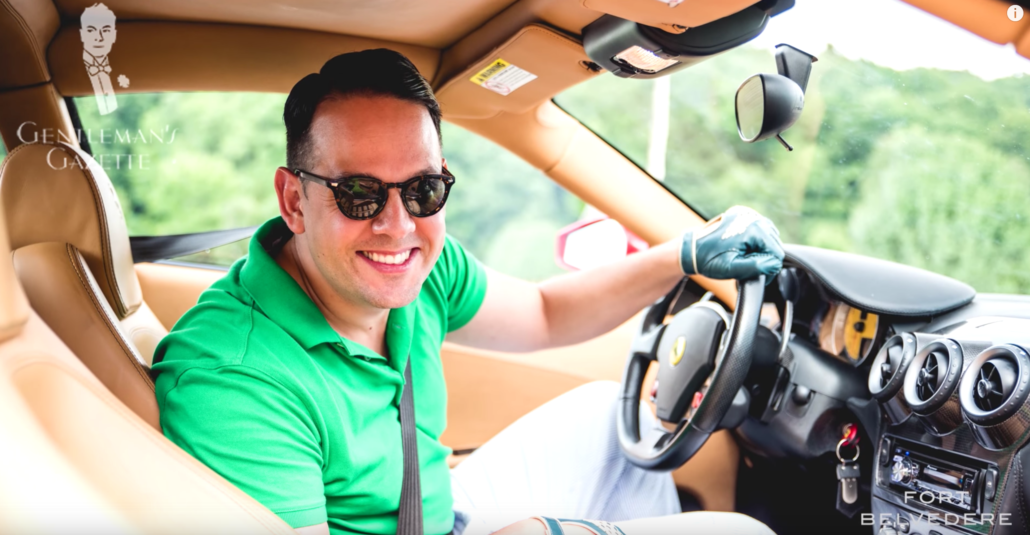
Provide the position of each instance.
(670, 15)
(531, 67)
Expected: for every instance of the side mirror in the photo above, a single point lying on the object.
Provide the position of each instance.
(768, 104)
(595, 242)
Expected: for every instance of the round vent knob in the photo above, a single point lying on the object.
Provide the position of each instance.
(995, 385)
(889, 366)
(933, 376)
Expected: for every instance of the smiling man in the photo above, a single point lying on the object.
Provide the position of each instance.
(287, 377)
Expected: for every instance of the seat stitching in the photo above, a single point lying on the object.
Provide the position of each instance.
(106, 254)
(126, 348)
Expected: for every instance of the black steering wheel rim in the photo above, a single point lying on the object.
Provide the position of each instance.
(665, 450)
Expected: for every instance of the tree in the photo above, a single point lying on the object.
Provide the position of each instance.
(948, 203)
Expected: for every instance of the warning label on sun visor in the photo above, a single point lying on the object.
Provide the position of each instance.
(502, 77)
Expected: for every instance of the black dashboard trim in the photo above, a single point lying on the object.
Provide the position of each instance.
(880, 286)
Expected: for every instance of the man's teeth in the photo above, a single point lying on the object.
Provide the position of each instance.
(388, 258)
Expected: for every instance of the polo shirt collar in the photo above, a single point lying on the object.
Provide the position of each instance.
(284, 302)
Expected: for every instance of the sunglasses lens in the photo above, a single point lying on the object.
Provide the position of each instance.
(424, 197)
(360, 198)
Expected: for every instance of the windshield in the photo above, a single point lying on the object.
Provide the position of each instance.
(912, 146)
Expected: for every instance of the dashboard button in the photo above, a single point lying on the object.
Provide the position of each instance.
(885, 451)
(801, 395)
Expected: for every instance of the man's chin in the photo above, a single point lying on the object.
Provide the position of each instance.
(391, 298)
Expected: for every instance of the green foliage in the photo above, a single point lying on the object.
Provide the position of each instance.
(923, 167)
(947, 203)
(202, 161)
(502, 209)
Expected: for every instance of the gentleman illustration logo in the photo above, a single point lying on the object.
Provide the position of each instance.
(98, 34)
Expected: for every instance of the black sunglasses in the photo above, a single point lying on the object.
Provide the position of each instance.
(363, 197)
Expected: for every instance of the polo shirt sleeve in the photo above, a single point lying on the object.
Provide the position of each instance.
(255, 433)
(465, 281)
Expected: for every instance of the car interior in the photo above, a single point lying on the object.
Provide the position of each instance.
(926, 380)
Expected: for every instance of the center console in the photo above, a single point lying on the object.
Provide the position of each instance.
(950, 459)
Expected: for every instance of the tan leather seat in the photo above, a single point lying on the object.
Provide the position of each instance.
(74, 459)
(73, 259)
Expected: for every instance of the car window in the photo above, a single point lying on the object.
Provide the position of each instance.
(502, 209)
(192, 162)
(189, 162)
(908, 152)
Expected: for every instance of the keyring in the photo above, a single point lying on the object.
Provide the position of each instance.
(841, 459)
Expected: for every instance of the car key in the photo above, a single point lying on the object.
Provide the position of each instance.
(847, 473)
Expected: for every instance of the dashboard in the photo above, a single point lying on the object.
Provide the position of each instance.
(936, 378)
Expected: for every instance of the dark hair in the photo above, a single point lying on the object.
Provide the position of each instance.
(369, 72)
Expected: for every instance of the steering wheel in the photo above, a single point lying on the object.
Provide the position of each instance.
(700, 372)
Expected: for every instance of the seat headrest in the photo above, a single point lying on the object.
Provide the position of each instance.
(57, 192)
(14, 308)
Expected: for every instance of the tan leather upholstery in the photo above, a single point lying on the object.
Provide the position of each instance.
(73, 257)
(437, 23)
(985, 18)
(555, 59)
(26, 27)
(75, 459)
(213, 57)
(32, 114)
(59, 193)
(64, 292)
(172, 289)
(675, 19)
(14, 308)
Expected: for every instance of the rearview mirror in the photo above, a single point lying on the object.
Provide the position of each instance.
(768, 104)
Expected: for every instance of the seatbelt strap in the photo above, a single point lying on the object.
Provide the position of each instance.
(154, 248)
(409, 515)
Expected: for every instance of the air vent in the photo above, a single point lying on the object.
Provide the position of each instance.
(888, 369)
(928, 380)
(995, 386)
(933, 376)
(997, 380)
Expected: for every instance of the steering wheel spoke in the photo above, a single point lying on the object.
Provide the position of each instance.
(646, 342)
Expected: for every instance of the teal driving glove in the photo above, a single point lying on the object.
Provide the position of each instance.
(739, 244)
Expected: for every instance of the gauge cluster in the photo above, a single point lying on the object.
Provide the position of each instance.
(848, 332)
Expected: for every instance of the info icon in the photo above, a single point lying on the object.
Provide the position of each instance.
(1015, 13)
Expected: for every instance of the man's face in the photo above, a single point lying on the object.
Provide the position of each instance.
(98, 36)
(392, 140)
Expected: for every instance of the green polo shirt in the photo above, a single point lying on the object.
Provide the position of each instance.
(254, 383)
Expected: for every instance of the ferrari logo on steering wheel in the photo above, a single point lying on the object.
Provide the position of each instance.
(676, 354)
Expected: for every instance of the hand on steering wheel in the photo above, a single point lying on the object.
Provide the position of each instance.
(703, 356)
(738, 244)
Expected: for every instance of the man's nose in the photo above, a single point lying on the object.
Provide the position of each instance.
(394, 220)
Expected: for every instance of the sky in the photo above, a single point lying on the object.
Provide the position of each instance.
(893, 34)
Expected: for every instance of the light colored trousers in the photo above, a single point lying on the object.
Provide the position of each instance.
(563, 460)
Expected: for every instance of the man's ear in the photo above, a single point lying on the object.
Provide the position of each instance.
(444, 160)
(290, 191)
